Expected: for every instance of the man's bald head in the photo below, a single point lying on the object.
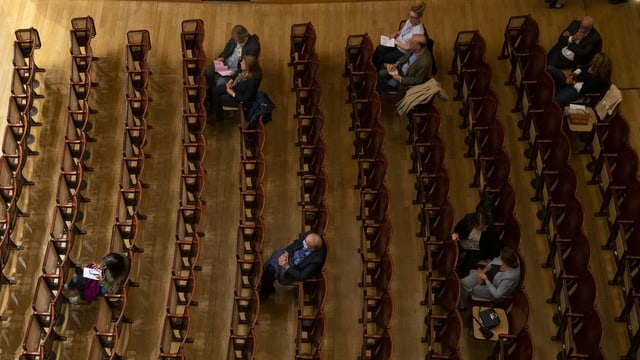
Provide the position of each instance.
(418, 42)
(313, 241)
(586, 23)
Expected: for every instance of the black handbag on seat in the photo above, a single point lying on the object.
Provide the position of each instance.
(489, 318)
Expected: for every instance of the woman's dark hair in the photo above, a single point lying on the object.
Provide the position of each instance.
(419, 8)
(480, 218)
(115, 263)
(509, 257)
(253, 66)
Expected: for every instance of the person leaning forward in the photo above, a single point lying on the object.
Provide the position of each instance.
(302, 259)
(239, 45)
(411, 69)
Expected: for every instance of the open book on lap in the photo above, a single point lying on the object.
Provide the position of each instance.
(387, 41)
(91, 273)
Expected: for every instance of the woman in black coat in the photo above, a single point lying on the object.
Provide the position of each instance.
(477, 240)
(242, 89)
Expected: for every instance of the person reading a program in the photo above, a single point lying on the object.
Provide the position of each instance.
(99, 279)
(398, 43)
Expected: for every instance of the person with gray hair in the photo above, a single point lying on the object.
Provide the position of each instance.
(411, 69)
(241, 44)
(302, 259)
(576, 46)
(500, 277)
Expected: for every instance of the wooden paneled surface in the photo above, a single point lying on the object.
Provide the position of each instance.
(619, 26)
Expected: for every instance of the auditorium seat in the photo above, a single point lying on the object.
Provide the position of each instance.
(378, 347)
(550, 157)
(369, 142)
(358, 52)
(577, 299)
(545, 126)
(582, 339)
(569, 263)
(242, 347)
(481, 118)
(565, 222)
(530, 69)
(537, 95)
(607, 140)
(444, 340)
(433, 192)
(486, 145)
(521, 348)
(557, 188)
(310, 336)
(303, 41)
(494, 173)
(441, 298)
(313, 189)
(314, 219)
(626, 250)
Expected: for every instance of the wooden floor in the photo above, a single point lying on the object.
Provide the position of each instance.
(619, 26)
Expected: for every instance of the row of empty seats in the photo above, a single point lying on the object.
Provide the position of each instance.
(555, 182)
(15, 143)
(436, 216)
(189, 215)
(58, 267)
(111, 322)
(312, 293)
(249, 263)
(375, 222)
(485, 146)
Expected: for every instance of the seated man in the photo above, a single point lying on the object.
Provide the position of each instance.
(576, 45)
(500, 277)
(411, 69)
(302, 259)
(240, 44)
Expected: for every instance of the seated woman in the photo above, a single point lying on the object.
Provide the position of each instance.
(389, 55)
(115, 271)
(500, 277)
(242, 89)
(477, 240)
(570, 85)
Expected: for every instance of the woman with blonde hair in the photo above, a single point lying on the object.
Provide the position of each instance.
(413, 25)
(242, 89)
(570, 85)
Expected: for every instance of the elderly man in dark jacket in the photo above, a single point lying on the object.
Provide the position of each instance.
(576, 45)
(302, 259)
